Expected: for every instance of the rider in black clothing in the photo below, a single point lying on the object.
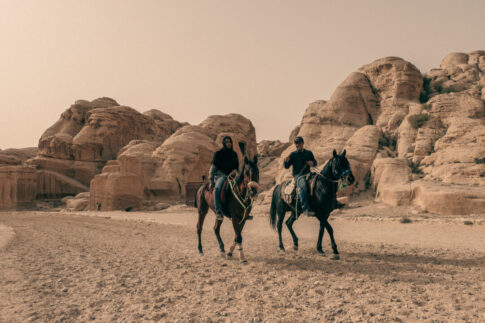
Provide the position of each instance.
(301, 160)
(225, 160)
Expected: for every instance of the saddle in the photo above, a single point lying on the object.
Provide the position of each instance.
(223, 192)
(289, 189)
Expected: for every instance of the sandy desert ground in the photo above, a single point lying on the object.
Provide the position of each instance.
(118, 266)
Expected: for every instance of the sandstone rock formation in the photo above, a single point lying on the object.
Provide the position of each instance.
(18, 187)
(88, 134)
(15, 156)
(116, 190)
(164, 170)
(268, 148)
(78, 203)
(409, 137)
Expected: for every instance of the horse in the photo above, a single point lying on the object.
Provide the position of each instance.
(321, 201)
(242, 188)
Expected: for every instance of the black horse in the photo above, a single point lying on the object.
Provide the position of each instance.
(238, 201)
(321, 201)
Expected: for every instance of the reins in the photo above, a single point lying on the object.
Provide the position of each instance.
(231, 179)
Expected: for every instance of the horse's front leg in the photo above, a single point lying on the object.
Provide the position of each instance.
(329, 228)
(320, 237)
(231, 249)
(217, 231)
(238, 241)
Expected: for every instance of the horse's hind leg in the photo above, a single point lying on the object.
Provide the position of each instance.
(279, 225)
(332, 240)
(289, 224)
(217, 230)
(200, 223)
(202, 212)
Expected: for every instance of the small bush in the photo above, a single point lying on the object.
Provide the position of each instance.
(447, 90)
(418, 120)
(427, 106)
(468, 222)
(386, 141)
(415, 168)
(424, 96)
(480, 160)
(405, 219)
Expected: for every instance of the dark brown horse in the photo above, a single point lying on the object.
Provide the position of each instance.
(325, 190)
(241, 189)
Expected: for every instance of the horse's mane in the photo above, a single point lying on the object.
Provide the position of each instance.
(327, 169)
(240, 176)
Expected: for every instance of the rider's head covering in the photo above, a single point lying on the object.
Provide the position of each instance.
(298, 140)
(224, 141)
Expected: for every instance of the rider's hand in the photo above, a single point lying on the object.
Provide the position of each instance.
(309, 163)
(287, 159)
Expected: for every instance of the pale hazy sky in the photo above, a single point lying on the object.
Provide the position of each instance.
(264, 59)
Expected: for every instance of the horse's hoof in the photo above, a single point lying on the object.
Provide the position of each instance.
(295, 248)
(336, 257)
(229, 256)
(282, 248)
(244, 262)
(201, 252)
(223, 254)
(322, 253)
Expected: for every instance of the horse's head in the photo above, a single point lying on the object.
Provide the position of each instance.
(340, 168)
(250, 175)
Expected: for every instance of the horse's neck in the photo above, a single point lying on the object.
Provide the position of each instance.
(327, 170)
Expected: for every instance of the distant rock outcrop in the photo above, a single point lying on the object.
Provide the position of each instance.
(14, 156)
(88, 134)
(268, 148)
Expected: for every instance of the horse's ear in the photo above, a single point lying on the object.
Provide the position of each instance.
(246, 160)
(343, 154)
(255, 159)
(334, 153)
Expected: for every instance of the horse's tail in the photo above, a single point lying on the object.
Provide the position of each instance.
(197, 191)
(196, 197)
(272, 210)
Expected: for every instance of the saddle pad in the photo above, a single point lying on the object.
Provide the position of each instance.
(290, 187)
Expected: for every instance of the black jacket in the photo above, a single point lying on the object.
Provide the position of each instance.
(225, 160)
(298, 160)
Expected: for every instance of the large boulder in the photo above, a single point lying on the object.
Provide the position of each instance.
(78, 203)
(116, 190)
(390, 180)
(448, 199)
